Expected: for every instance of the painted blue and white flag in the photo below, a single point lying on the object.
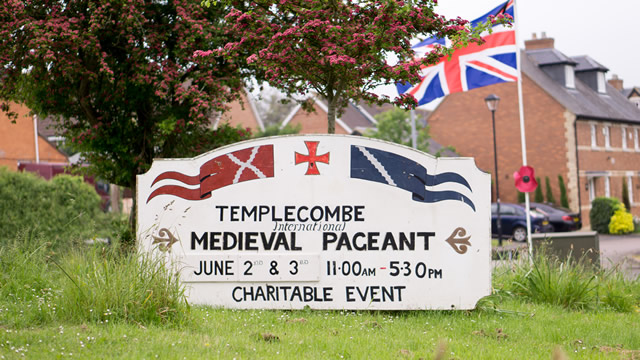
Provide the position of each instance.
(394, 170)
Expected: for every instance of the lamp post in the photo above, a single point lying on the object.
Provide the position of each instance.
(492, 103)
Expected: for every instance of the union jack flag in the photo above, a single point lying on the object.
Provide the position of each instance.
(471, 67)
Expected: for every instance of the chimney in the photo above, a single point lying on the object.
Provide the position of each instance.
(616, 83)
(543, 43)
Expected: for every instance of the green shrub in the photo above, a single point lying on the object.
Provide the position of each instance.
(564, 200)
(549, 193)
(602, 209)
(538, 194)
(572, 284)
(551, 281)
(617, 292)
(521, 197)
(621, 222)
(63, 209)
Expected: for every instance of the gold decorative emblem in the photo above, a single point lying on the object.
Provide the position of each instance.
(459, 244)
(169, 240)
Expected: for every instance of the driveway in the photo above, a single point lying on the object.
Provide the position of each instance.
(621, 250)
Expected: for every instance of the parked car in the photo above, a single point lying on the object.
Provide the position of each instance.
(514, 221)
(560, 218)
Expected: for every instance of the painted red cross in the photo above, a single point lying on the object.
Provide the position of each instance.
(312, 158)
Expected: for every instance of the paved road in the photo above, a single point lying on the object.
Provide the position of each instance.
(621, 250)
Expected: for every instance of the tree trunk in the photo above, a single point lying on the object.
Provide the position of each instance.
(331, 114)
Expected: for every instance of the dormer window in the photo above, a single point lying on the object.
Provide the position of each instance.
(602, 88)
(569, 77)
(591, 73)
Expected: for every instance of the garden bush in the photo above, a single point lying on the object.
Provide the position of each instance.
(538, 197)
(564, 200)
(621, 222)
(549, 192)
(567, 282)
(602, 209)
(63, 209)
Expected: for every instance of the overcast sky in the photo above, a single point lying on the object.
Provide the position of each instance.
(604, 30)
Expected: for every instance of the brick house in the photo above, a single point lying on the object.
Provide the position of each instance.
(242, 113)
(632, 93)
(355, 118)
(18, 141)
(577, 126)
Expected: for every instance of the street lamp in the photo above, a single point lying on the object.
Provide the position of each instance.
(492, 103)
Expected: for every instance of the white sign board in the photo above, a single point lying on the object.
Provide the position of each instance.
(325, 221)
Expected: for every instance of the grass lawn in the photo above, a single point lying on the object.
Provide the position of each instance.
(517, 330)
(104, 303)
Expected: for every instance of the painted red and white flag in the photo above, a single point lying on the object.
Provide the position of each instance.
(232, 168)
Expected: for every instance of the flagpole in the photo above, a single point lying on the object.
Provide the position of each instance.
(523, 140)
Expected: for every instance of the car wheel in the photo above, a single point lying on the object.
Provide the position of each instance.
(520, 234)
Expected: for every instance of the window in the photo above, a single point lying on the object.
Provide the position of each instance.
(607, 139)
(507, 210)
(607, 188)
(504, 209)
(592, 189)
(569, 77)
(602, 89)
(636, 144)
(594, 143)
(624, 137)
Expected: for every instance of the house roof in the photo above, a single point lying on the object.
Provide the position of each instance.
(628, 92)
(242, 112)
(46, 127)
(583, 101)
(549, 56)
(354, 116)
(358, 117)
(586, 63)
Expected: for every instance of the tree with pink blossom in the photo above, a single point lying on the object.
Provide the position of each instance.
(339, 49)
(122, 78)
